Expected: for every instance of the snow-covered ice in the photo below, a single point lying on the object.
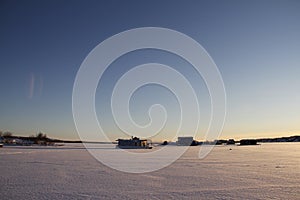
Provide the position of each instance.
(267, 171)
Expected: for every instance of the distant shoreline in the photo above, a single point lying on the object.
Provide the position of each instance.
(295, 138)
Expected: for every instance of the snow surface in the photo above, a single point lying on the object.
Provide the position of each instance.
(267, 171)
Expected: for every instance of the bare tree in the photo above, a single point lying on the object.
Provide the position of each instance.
(7, 134)
(41, 135)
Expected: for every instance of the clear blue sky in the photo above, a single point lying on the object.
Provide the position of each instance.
(255, 44)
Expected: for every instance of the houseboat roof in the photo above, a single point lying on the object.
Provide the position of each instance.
(133, 138)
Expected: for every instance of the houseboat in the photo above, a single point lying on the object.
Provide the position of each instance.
(133, 143)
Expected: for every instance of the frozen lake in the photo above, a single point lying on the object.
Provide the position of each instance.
(267, 171)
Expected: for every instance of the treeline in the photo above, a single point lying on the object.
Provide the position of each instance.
(8, 134)
(40, 138)
(5, 134)
(294, 138)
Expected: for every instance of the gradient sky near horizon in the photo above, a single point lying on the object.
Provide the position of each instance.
(255, 44)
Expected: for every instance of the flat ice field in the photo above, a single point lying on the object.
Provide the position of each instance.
(267, 171)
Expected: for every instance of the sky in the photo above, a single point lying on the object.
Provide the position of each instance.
(255, 44)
